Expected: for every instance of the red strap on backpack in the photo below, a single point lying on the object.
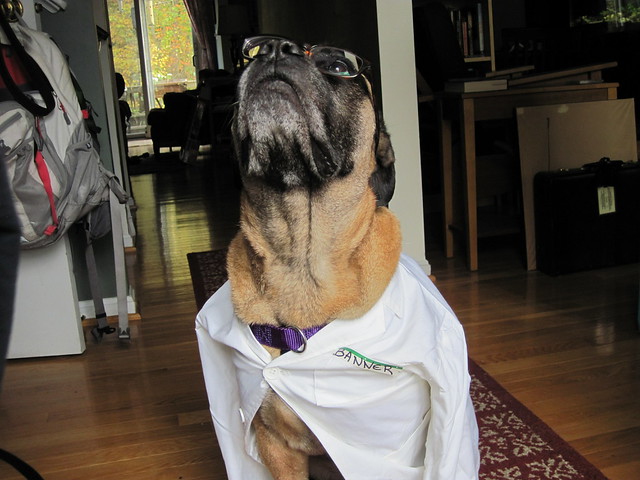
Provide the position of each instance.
(14, 67)
(43, 173)
(35, 74)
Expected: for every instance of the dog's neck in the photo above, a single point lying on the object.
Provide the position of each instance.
(302, 259)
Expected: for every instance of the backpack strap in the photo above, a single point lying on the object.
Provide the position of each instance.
(43, 173)
(20, 465)
(40, 80)
(102, 326)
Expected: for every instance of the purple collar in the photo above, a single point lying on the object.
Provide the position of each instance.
(284, 338)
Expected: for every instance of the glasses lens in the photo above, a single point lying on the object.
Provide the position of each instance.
(335, 61)
(253, 46)
(252, 52)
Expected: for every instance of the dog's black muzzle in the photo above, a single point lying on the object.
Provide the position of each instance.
(294, 126)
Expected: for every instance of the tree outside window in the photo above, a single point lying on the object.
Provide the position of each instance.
(617, 13)
(170, 51)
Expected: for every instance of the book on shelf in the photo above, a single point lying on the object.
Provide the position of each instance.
(469, 26)
(480, 29)
(463, 85)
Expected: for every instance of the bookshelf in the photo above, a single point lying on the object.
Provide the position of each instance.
(473, 21)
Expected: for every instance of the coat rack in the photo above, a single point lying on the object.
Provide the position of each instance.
(11, 9)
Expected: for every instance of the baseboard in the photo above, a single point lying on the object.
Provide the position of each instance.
(110, 305)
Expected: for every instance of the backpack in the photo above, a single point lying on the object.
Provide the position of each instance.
(53, 164)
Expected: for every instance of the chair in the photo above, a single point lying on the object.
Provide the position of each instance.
(171, 126)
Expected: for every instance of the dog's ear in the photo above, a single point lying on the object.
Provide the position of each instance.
(383, 178)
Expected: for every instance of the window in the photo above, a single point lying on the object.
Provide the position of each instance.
(153, 50)
(616, 13)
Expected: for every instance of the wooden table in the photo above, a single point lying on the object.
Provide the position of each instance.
(469, 108)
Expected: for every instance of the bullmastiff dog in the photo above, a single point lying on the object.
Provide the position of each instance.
(315, 241)
(328, 354)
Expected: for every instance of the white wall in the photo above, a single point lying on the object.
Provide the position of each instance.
(399, 101)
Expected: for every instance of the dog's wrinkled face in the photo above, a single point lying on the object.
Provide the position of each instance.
(296, 126)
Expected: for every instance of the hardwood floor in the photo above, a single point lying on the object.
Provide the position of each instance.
(567, 347)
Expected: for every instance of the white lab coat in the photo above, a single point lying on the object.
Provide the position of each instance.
(387, 394)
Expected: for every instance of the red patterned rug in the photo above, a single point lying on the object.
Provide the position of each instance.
(514, 443)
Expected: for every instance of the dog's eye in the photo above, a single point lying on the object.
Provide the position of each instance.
(339, 67)
(336, 61)
(335, 66)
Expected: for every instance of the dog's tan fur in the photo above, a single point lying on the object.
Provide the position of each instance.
(304, 257)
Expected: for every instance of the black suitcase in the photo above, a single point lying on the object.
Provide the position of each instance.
(587, 217)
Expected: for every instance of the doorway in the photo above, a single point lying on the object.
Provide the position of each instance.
(152, 45)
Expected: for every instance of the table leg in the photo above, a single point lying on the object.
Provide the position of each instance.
(446, 163)
(467, 127)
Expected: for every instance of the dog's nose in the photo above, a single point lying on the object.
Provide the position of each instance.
(278, 48)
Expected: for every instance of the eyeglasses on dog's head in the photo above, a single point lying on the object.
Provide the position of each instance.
(333, 61)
